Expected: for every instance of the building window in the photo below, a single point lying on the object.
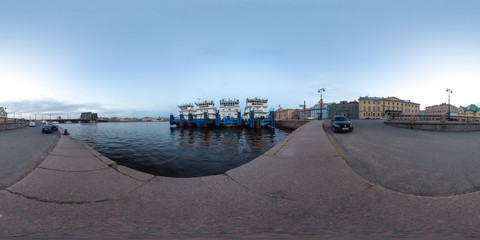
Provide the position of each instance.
(368, 108)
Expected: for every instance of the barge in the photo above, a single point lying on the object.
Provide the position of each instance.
(206, 115)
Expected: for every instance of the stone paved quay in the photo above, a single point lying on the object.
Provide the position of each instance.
(299, 189)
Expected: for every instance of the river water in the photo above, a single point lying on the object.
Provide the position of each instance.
(158, 149)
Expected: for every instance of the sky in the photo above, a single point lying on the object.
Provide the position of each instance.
(137, 58)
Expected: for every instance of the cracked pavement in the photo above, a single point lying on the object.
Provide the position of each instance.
(301, 188)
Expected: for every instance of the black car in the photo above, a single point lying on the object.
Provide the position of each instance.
(341, 124)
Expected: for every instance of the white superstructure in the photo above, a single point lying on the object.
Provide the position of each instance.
(229, 108)
(185, 109)
(205, 106)
(259, 107)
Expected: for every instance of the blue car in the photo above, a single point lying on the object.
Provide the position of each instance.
(47, 129)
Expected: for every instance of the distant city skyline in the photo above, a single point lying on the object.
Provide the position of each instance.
(143, 58)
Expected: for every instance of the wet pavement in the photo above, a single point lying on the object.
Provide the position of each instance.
(300, 189)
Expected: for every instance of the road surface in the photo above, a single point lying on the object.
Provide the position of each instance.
(21, 151)
(423, 163)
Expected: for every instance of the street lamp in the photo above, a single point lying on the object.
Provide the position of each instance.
(278, 115)
(321, 90)
(449, 91)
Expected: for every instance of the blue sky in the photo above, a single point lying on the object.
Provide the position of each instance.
(142, 58)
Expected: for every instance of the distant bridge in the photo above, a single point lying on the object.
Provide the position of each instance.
(75, 120)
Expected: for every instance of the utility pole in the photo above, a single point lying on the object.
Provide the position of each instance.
(303, 109)
(304, 106)
(448, 113)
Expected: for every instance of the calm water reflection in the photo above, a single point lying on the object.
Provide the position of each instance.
(156, 148)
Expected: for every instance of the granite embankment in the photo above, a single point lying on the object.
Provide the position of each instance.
(291, 123)
(12, 125)
(301, 188)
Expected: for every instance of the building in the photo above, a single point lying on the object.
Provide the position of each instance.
(379, 107)
(3, 115)
(301, 113)
(317, 109)
(347, 109)
(471, 110)
(92, 117)
(284, 113)
(441, 109)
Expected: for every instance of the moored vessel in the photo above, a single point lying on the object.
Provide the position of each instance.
(205, 108)
(258, 106)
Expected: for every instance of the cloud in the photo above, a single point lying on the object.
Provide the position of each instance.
(30, 107)
(55, 108)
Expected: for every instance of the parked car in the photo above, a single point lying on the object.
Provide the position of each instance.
(341, 124)
(32, 124)
(47, 129)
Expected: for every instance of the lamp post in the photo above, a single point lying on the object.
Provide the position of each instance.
(279, 108)
(321, 90)
(449, 91)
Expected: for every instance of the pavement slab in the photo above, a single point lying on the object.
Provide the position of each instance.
(299, 179)
(315, 173)
(74, 187)
(307, 142)
(140, 176)
(71, 152)
(74, 164)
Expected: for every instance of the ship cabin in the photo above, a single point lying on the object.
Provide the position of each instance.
(207, 107)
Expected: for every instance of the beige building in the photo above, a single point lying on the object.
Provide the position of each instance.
(284, 113)
(441, 109)
(377, 108)
(3, 115)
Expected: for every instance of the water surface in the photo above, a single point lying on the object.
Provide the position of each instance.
(157, 148)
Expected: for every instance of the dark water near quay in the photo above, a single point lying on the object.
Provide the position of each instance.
(158, 149)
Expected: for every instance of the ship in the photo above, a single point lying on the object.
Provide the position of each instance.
(205, 109)
(229, 113)
(185, 109)
(258, 106)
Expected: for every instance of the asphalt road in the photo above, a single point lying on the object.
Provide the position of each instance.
(417, 162)
(21, 151)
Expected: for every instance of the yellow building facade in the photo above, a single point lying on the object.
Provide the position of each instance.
(3, 115)
(377, 108)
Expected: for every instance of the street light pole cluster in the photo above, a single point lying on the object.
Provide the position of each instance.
(449, 91)
(321, 90)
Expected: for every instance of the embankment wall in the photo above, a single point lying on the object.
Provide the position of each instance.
(8, 126)
(438, 126)
(291, 124)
